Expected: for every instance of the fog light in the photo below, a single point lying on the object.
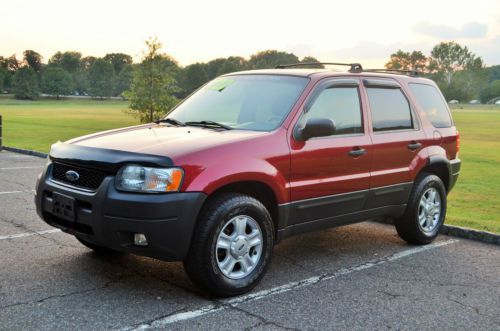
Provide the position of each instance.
(140, 239)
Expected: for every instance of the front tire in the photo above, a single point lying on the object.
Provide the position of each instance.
(231, 246)
(425, 211)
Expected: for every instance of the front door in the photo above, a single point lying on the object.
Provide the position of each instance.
(330, 176)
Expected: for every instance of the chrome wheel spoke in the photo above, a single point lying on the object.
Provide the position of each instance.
(429, 210)
(241, 224)
(224, 242)
(228, 264)
(238, 252)
(254, 238)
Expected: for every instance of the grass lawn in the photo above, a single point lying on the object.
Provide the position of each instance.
(38, 124)
(473, 203)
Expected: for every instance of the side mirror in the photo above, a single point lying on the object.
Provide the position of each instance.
(316, 127)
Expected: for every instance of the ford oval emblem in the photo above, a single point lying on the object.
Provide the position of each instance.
(72, 175)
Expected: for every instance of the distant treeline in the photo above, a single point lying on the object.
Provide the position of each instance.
(460, 74)
(71, 73)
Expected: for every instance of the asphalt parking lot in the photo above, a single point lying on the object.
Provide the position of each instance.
(356, 277)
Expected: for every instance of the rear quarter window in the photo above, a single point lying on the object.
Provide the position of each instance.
(432, 104)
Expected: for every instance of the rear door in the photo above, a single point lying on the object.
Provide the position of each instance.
(330, 175)
(397, 139)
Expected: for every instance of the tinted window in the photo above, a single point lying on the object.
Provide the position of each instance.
(432, 104)
(390, 109)
(341, 104)
(250, 102)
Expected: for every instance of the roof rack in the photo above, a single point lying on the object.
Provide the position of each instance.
(411, 73)
(354, 67)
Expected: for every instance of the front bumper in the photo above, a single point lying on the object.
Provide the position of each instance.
(110, 218)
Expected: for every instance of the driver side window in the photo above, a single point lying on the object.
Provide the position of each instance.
(342, 105)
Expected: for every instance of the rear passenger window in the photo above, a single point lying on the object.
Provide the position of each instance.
(432, 104)
(390, 109)
(341, 104)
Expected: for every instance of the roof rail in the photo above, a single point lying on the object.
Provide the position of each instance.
(411, 73)
(354, 67)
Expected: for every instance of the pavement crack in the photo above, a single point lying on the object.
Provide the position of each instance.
(262, 320)
(58, 296)
(475, 309)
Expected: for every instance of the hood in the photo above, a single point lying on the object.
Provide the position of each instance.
(164, 140)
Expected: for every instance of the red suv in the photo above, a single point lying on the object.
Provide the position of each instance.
(252, 158)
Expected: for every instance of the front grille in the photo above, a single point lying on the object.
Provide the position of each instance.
(88, 179)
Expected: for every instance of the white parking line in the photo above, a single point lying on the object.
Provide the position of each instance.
(11, 192)
(28, 234)
(15, 168)
(209, 309)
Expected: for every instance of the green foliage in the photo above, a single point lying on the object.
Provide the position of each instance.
(56, 81)
(310, 59)
(153, 85)
(195, 76)
(270, 59)
(69, 61)
(101, 78)
(25, 84)
(448, 58)
(119, 61)
(123, 80)
(9, 63)
(492, 92)
(416, 60)
(33, 60)
(494, 73)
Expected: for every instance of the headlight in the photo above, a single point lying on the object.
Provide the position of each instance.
(136, 178)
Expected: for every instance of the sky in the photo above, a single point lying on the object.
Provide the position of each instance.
(198, 31)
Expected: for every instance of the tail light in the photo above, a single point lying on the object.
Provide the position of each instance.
(458, 141)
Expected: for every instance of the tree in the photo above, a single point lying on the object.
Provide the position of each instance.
(416, 60)
(447, 58)
(123, 80)
(118, 60)
(25, 84)
(101, 78)
(270, 59)
(69, 61)
(56, 81)
(310, 59)
(9, 63)
(491, 93)
(152, 88)
(195, 76)
(3, 73)
(33, 59)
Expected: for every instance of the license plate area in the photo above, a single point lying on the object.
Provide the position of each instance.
(63, 206)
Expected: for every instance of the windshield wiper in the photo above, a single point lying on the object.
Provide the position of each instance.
(209, 124)
(170, 121)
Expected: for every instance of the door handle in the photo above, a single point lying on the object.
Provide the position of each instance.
(414, 145)
(357, 151)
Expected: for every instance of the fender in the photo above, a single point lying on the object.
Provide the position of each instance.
(220, 174)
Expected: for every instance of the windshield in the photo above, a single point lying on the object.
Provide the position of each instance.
(249, 102)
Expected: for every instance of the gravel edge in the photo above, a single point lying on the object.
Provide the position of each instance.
(449, 230)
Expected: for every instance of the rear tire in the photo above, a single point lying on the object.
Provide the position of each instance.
(425, 211)
(231, 246)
